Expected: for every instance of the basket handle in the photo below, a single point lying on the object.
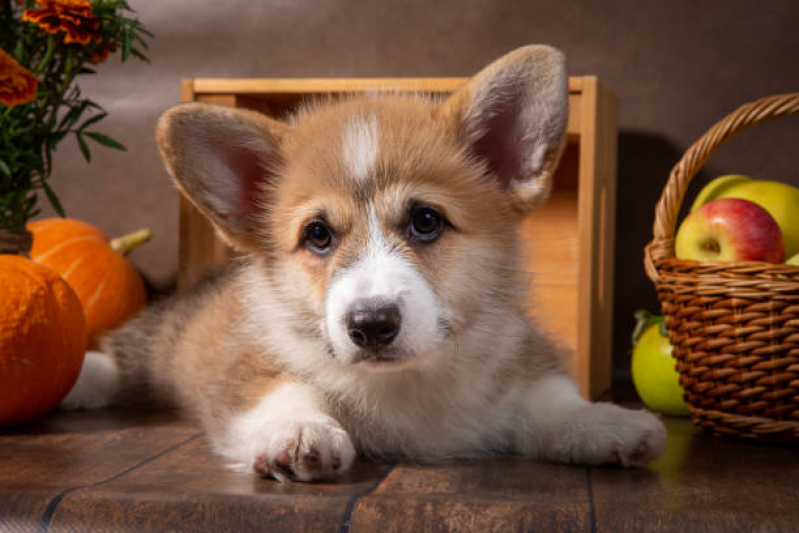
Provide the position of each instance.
(747, 115)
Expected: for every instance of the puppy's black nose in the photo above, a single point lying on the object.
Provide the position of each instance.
(373, 326)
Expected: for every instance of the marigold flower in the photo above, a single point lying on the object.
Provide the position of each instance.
(76, 18)
(17, 84)
(102, 53)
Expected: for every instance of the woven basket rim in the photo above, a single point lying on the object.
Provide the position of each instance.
(655, 267)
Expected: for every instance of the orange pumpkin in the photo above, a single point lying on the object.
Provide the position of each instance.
(108, 286)
(42, 339)
(53, 231)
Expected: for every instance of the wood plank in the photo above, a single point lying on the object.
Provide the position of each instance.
(192, 489)
(606, 171)
(230, 86)
(187, 93)
(21, 509)
(280, 104)
(551, 245)
(596, 222)
(41, 462)
(490, 495)
(80, 448)
(416, 513)
(200, 250)
(83, 468)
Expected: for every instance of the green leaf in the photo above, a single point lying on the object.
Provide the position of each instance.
(83, 148)
(48, 159)
(125, 46)
(4, 168)
(96, 118)
(141, 41)
(105, 140)
(54, 201)
(32, 161)
(57, 137)
(141, 56)
(645, 319)
(72, 115)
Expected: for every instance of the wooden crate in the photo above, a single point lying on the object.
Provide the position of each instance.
(571, 238)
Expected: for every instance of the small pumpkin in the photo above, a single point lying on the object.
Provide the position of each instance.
(108, 286)
(42, 339)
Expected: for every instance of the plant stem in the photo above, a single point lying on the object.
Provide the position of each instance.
(69, 75)
(48, 54)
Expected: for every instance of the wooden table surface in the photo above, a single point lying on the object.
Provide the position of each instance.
(115, 470)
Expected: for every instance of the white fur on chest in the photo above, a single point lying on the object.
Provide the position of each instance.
(427, 419)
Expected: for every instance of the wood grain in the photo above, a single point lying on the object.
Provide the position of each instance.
(192, 489)
(596, 234)
(490, 495)
(113, 470)
(334, 85)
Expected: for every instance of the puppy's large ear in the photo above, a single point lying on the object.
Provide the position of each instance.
(512, 116)
(223, 159)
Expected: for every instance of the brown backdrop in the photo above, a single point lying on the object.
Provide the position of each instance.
(676, 66)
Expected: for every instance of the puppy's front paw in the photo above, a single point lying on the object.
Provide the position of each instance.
(611, 435)
(303, 450)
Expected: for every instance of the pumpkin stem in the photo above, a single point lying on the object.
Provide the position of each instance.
(126, 243)
(15, 242)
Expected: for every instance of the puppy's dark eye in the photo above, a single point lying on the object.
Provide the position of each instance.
(318, 237)
(426, 224)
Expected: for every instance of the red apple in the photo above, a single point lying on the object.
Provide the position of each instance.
(730, 229)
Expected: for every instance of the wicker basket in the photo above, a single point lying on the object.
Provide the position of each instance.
(734, 326)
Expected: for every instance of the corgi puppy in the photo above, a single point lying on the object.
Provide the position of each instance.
(378, 308)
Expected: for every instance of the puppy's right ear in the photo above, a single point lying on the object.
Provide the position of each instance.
(224, 160)
(512, 116)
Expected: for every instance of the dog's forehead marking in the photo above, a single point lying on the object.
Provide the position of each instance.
(360, 145)
(377, 243)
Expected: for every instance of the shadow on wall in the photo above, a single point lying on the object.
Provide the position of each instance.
(644, 164)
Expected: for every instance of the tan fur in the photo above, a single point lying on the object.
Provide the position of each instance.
(203, 346)
(259, 355)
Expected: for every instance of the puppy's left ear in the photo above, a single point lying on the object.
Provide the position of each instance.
(224, 160)
(512, 117)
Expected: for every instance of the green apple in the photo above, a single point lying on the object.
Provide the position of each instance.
(717, 188)
(779, 199)
(654, 368)
(793, 260)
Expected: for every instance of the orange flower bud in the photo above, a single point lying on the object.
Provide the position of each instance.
(17, 84)
(102, 53)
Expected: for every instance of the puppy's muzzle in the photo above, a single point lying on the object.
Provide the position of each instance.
(373, 325)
